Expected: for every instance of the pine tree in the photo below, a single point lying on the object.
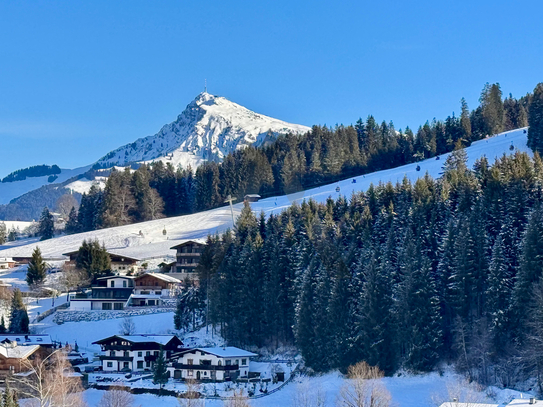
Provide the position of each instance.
(46, 227)
(160, 372)
(72, 224)
(465, 121)
(18, 320)
(535, 120)
(37, 269)
(492, 108)
(93, 258)
(3, 233)
(531, 268)
(9, 397)
(3, 328)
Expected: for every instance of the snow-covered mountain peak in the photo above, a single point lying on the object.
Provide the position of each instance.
(208, 129)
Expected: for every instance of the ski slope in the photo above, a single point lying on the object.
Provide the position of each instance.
(151, 243)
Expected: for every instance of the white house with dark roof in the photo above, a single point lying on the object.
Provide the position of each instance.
(135, 352)
(213, 364)
(109, 293)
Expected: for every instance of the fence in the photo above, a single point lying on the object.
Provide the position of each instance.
(51, 311)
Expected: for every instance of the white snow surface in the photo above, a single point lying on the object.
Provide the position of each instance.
(208, 129)
(127, 240)
(12, 190)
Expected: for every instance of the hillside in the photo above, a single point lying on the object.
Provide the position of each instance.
(127, 240)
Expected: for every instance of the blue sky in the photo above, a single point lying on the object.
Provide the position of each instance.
(80, 78)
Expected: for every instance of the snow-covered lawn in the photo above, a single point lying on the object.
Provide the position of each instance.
(407, 391)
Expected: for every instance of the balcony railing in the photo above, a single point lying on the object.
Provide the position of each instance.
(119, 358)
(205, 367)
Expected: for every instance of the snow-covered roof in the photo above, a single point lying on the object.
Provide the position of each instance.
(226, 352)
(183, 243)
(24, 340)
(17, 352)
(115, 276)
(160, 339)
(162, 277)
(525, 402)
(458, 404)
(6, 260)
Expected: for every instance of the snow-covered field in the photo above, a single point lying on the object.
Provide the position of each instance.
(127, 240)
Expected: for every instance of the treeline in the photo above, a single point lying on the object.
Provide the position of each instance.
(291, 163)
(34, 171)
(401, 276)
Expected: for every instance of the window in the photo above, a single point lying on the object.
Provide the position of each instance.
(112, 284)
(243, 362)
(124, 284)
(140, 364)
(219, 363)
(158, 292)
(111, 353)
(237, 362)
(118, 306)
(126, 354)
(228, 362)
(205, 362)
(190, 361)
(109, 364)
(140, 354)
(147, 364)
(106, 306)
(147, 353)
(125, 365)
(156, 352)
(151, 302)
(189, 373)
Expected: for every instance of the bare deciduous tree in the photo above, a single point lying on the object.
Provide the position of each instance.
(127, 326)
(73, 278)
(51, 382)
(308, 395)
(364, 388)
(460, 391)
(238, 400)
(191, 398)
(116, 397)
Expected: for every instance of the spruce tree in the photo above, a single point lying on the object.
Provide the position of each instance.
(531, 268)
(465, 121)
(37, 269)
(535, 120)
(46, 227)
(3, 233)
(3, 328)
(72, 224)
(18, 320)
(160, 372)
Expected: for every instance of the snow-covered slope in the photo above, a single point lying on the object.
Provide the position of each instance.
(127, 240)
(12, 190)
(208, 129)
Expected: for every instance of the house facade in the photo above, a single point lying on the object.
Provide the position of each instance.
(213, 364)
(119, 263)
(6, 263)
(109, 293)
(187, 259)
(14, 355)
(136, 353)
(152, 289)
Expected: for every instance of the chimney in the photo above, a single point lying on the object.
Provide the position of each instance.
(532, 400)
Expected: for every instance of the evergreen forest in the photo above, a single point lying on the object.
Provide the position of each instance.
(401, 276)
(292, 163)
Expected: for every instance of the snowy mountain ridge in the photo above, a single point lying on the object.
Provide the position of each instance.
(207, 130)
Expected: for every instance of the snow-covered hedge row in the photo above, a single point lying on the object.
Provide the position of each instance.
(78, 316)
